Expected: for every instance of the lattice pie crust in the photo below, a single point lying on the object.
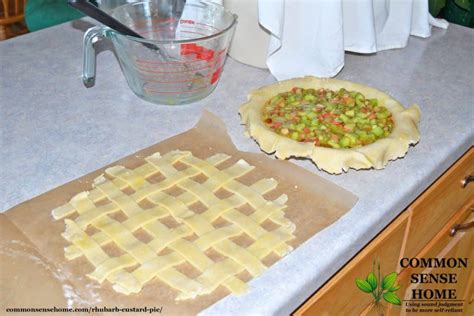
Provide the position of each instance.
(124, 191)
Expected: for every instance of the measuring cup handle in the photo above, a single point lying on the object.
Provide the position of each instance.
(88, 68)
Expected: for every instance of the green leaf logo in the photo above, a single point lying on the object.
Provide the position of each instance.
(380, 287)
(389, 280)
(363, 285)
(392, 298)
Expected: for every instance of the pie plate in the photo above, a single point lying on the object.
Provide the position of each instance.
(375, 155)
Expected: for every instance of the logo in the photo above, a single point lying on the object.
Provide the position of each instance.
(380, 288)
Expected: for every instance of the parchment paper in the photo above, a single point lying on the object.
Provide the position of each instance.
(50, 280)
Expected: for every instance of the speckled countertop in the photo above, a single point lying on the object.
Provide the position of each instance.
(53, 130)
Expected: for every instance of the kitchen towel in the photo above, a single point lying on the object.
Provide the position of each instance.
(309, 37)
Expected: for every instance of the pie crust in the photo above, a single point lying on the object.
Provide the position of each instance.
(172, 247)
(376, 155)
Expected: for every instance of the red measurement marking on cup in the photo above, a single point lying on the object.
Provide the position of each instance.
(178, 81)
(152, 62)
(184, 29)
(183, 22)
(175, 92)
(175, 72)
(172, 31)
(186, 22)
(160, 71)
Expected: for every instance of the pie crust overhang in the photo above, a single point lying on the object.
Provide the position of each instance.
(376, 155)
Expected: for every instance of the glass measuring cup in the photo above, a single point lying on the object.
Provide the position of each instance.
(182, 57)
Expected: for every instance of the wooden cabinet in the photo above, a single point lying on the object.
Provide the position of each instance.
(442, 246)
(433, 209)
(342, 290)
(421, 231)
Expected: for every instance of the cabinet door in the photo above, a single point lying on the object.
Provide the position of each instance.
(443, 246)
(433, 209)
(340, 296)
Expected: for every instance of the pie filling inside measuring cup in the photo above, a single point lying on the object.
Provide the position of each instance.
(182, 57)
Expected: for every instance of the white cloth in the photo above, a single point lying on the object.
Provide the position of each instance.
(309, 37)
